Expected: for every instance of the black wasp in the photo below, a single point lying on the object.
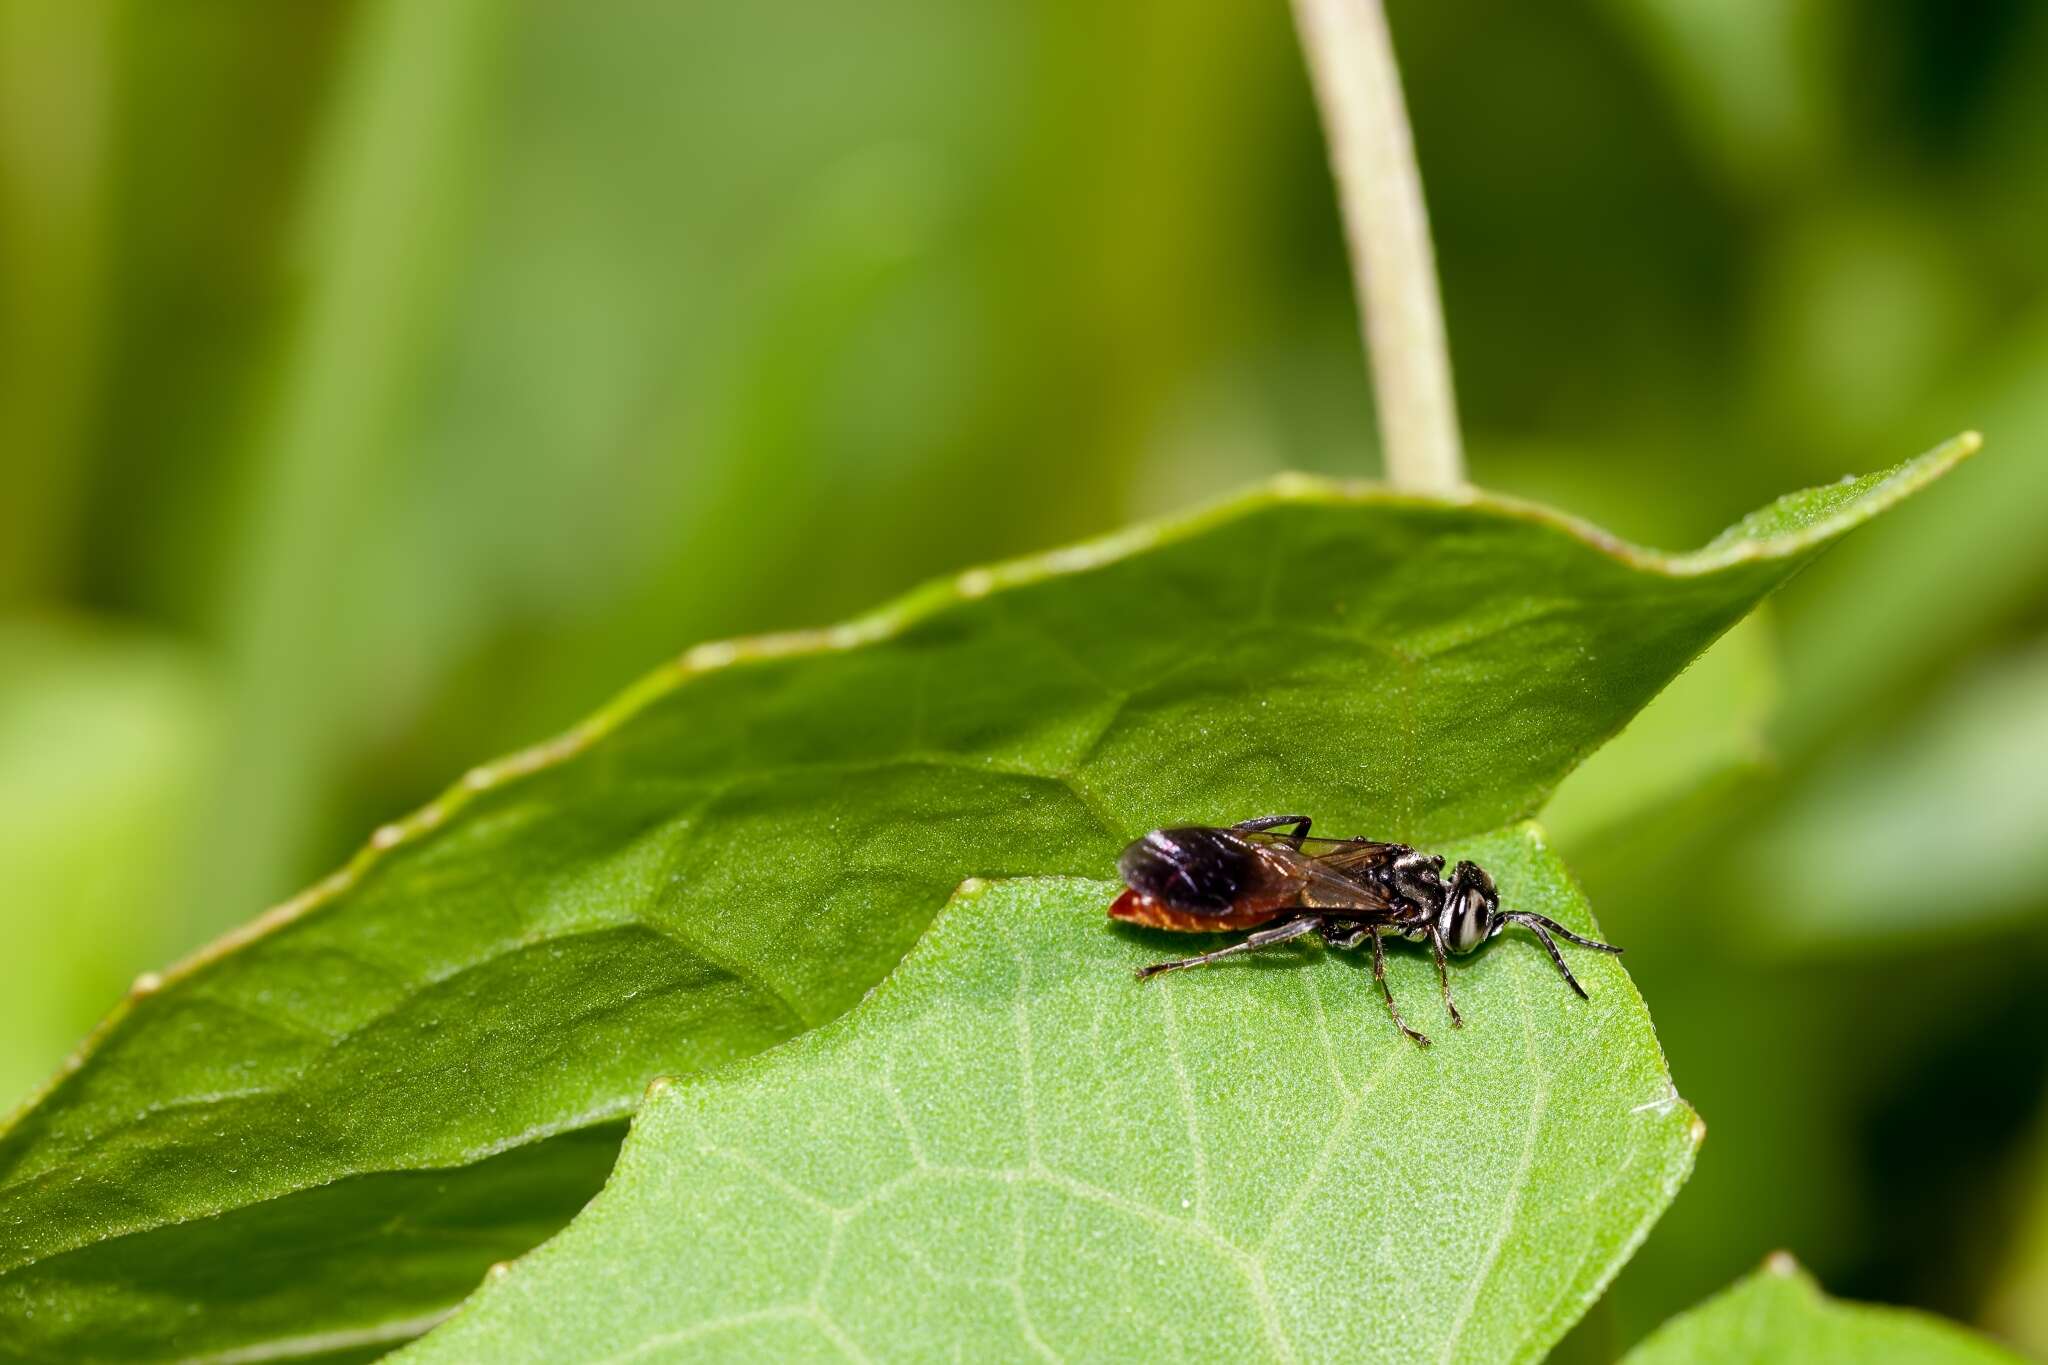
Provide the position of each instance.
(1201, 879)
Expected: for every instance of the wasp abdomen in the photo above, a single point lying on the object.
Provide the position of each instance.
(1194, 871)
(1133, 908)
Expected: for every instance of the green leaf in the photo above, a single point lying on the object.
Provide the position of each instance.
(1962, 775)
(1014, 1148)
(1703, 731)
(1779, 1314)
(749, 840)
(57, 68)
(103, 738)
(2017, 1304)
(384, 218)
(1743, 79)
(1973, 566)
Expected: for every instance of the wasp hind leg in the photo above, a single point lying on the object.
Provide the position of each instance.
(1264, 938)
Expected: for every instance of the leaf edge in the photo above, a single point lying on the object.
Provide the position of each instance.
(920, 603)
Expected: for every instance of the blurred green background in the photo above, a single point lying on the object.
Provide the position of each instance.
(383, 386)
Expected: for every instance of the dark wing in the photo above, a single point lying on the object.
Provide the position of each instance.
(1332, 874)
(1339, 855)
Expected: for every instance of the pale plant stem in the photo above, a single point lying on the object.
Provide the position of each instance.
(1358, 89)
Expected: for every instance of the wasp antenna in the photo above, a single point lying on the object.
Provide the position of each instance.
(1533, 920)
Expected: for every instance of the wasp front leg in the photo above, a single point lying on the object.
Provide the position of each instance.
(1443, 976)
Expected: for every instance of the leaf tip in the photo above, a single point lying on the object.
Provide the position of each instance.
(1697, 1130)
(1783, 1264)
(1931, 465)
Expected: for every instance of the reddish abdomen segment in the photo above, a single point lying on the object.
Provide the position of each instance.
(1133, 908)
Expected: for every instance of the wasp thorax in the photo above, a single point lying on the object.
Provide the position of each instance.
(1471, 913)
(1419, 876)
(1195, 869)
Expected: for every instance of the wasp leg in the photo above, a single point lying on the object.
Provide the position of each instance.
(1265, 938)
(1263, 822)
(1340, 933)
(1379, 974)
(1443, 977)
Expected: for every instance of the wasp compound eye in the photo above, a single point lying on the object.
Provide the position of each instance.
(1195, 869)
(1469, 919)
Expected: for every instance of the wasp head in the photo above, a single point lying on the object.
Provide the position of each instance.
(1471, 913)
